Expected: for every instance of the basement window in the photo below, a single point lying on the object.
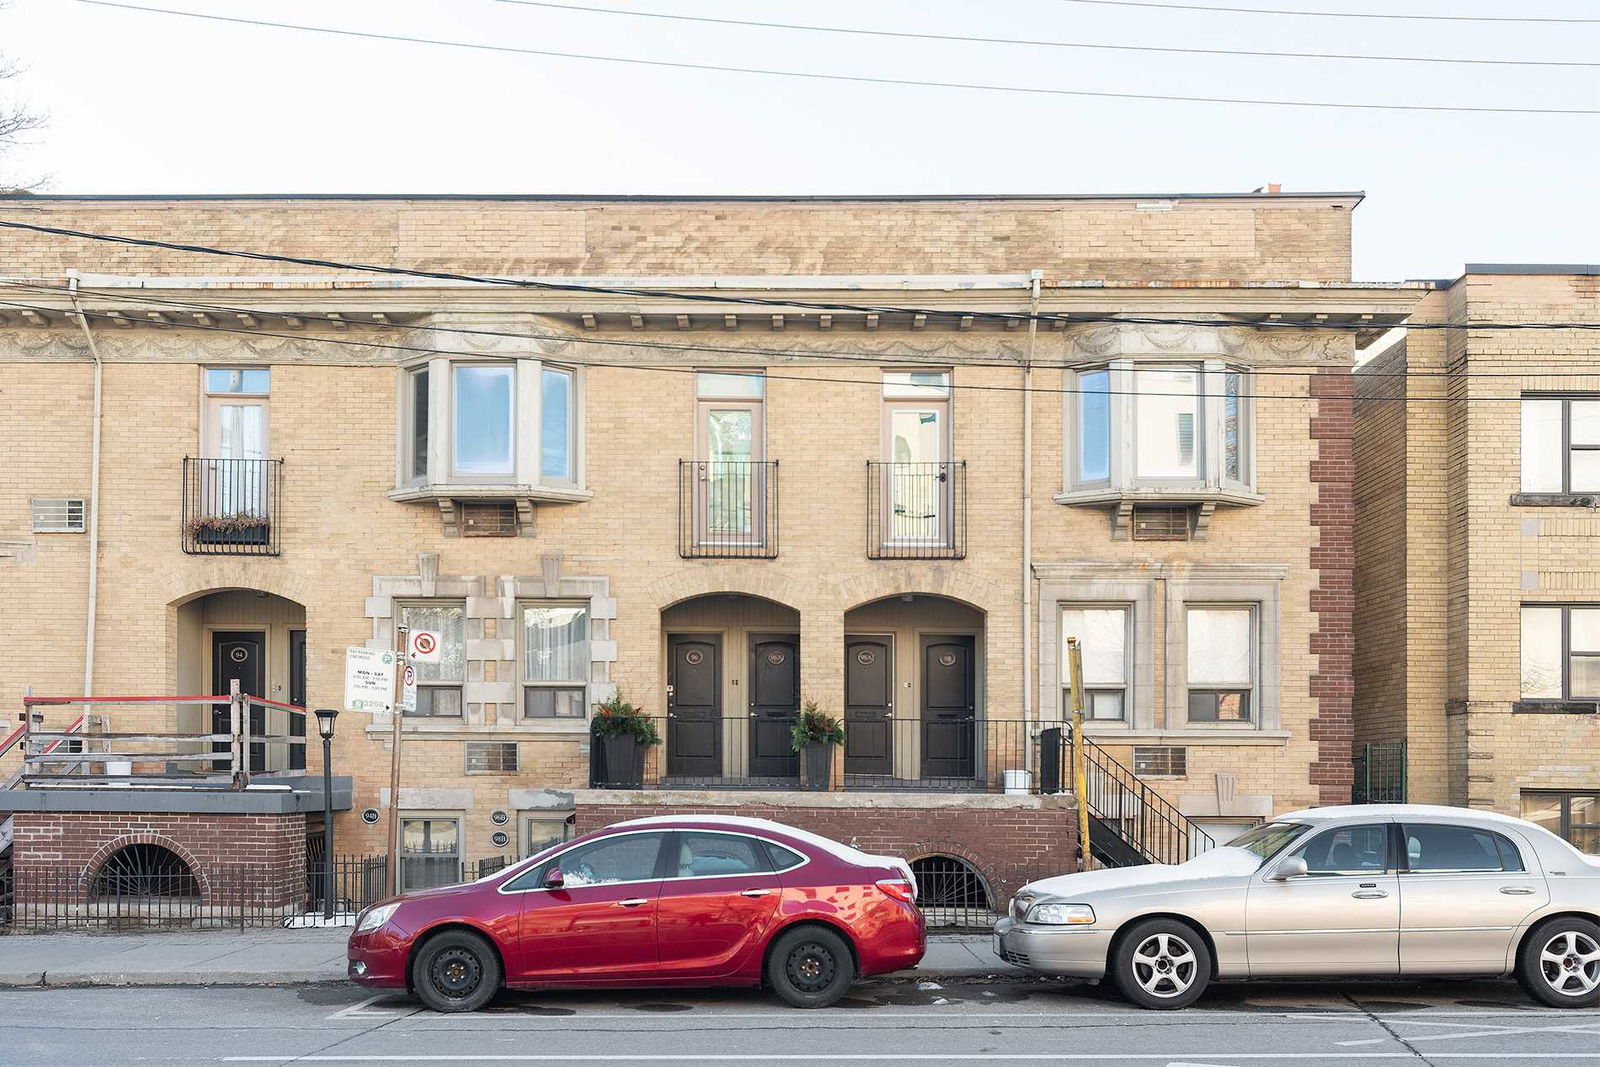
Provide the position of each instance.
(487, 518)
(1153, 523)
(59, 514)
(1160, 761)
(491, 757)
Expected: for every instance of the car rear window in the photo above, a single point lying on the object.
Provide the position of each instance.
(783, 859)
(1458, 848)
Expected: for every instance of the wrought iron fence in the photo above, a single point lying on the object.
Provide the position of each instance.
(917, 510)
(1380, 774)
(232, 507)
(70, 897)
(955, 754)
(728, 509)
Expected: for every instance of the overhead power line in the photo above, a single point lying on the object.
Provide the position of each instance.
(766, 373)
(1073, 318)
(1580, 368)
(856, 79)
(1034, 43)
(1535, 19)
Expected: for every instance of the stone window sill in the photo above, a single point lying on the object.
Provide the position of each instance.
(1171, 495)
(1555, 500)
(1188, 737)
(1556, 707)
(436, 491)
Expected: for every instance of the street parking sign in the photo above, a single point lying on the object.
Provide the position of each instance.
(408, 689)
(425, 646)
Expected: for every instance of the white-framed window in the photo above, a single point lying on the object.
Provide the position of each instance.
(439, 684)
(1560, 653)
(1222, 658)
(430, 851)
(1561, 444)
(1160, 424)
(1105, 638)
(730, 452)
(544, 829)
(554, 639)
(916, 494)
(490, 422)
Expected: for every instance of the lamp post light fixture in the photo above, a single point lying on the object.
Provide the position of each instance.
(325, 718)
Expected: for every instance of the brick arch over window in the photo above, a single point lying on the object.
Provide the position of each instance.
(954, 857)
(979, 593)
(117, 844)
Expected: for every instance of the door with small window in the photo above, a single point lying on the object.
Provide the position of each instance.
(915, 469)
(729, 468)
(1464, 892)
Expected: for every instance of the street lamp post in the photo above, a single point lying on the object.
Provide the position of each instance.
(325, 717)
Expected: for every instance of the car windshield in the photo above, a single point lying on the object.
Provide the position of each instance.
(1269, 838)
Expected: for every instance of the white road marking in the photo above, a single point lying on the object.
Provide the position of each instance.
(890, 1057)
(361, 1010)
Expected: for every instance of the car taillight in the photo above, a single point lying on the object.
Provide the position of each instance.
(899, 888)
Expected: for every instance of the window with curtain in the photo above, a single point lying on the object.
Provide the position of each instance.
(439, 684)
(555, 660)
(1102, 634)
(1560, 653)
(1221, 664)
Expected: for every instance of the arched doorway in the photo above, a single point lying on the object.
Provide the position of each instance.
(732, 668)
(913, 677)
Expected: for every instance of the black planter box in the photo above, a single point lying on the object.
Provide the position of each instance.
(623, 761)
(816, 766)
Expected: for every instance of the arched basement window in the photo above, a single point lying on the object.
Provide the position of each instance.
(144, 871)
(949, 882)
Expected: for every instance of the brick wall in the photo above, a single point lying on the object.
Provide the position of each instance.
(1009, 847)
(1333, 600)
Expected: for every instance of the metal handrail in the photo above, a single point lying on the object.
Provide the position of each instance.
(1143, 818)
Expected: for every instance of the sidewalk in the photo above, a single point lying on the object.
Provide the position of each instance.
(299, 957)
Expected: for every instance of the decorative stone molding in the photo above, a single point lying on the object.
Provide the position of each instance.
(1255, 346)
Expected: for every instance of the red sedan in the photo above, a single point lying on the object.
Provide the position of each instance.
(675, 901)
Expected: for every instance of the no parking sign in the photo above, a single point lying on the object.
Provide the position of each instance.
(425, 646)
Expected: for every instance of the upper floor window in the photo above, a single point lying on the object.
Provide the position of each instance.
(555, 660)
(1560, 652)
(236, 412)
(1561, 444)
(1160, 424)
(502, 422)
(1103, 640)
(1222, 664)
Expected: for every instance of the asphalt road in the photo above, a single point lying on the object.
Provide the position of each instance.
(1443, 1023)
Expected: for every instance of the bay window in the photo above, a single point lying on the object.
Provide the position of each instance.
(508, 427)
(1157, 427)
(1560, 444)
(1104, 640)
(555, 661)
(1221, 664)
(1560, 654)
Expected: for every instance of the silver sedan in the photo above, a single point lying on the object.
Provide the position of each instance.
(1370, 891)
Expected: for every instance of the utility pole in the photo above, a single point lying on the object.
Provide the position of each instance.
(402, 654)
(1080, 780)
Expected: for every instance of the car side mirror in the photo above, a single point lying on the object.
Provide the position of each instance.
(554, 879)
(1293, 867)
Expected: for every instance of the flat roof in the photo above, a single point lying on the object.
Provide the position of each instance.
(657, 198)
(1532, 268)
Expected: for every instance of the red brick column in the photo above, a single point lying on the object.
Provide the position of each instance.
(1333, 597)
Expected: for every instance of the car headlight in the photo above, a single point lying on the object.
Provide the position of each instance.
(1060, 914)
(373, 918)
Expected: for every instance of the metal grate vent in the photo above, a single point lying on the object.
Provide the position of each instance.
(487, 518)
(491, 757)
(58, 514)
(1160, 760)
(1161, 523)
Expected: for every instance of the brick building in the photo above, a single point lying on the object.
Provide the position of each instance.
(896, 502)
(1477, 635)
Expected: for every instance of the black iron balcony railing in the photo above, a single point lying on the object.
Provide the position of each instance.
(231, 507)
(728, 509)
(917, 510)
(931, 754)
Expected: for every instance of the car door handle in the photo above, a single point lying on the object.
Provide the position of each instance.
(1518, 890)
(633, 902)
(755, 892)
(1369, 894)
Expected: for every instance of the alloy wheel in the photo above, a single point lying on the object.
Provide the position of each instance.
(1164, 965)
(1570, 963)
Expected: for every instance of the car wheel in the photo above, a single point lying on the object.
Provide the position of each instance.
(1161, 964)
(811, 967)
(1559, 964)
(455, 971)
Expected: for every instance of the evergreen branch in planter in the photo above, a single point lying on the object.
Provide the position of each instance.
(813, 726)
(616, 717)
(226, 524)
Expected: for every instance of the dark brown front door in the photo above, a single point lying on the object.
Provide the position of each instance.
(949, 707)
(694, 705)
(238, 656)
(868, 706)
(774, 705)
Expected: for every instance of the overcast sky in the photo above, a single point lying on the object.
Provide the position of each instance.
(143, 103)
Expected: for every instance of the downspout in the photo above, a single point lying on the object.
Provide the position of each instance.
(1035, 279)
(94, 489)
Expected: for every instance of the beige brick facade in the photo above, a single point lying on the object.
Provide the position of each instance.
(352, 554)
(1450, 550)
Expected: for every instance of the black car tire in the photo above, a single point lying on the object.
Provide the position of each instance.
(1559, 963)
(811, 967)
(1161, 964)
(456, 971)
